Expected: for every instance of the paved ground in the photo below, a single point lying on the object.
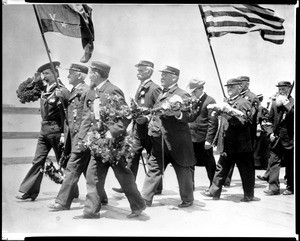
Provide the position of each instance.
(228, 217)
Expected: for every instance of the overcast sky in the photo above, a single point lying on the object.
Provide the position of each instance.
(164, 34)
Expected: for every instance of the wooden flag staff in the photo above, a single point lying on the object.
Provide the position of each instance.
(211, 50)
(46, 45)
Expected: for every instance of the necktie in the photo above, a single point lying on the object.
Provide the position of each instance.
(73, 89)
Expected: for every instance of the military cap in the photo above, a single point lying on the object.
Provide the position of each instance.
(284, 83)
(48, 66)
(233, 82)
(171, 70)
(194, 83)
(244, 78)
(145, 63)
(79, 67)
(100, 66)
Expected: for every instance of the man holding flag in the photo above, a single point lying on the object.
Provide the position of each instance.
(52, 131)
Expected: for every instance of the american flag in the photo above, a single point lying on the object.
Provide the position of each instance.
(241, 19)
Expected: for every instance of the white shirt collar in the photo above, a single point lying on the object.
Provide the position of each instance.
(171, 86)
(77, 86)
(234, 97)
(50, 86)
(100, 85)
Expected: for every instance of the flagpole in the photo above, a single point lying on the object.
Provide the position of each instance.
(211, 50)
(46, 45)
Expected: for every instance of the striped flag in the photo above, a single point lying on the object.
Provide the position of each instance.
(241, 19)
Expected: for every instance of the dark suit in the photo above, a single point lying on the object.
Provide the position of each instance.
(238, 149)
(97, 170)
(285, 148)
(145, 96)
(78, 161)
(52, 114)
(204, 128)
(175, 136)
(253, 100)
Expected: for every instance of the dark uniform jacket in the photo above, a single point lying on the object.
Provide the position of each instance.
(146, 97)
(285, 127)
(176, 132)
(75, 112)
(237, 137)
(52, 108)
(205, 126)
(253, 99)
(89, 123)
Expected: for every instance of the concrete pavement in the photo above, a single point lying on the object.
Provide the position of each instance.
(270, 216)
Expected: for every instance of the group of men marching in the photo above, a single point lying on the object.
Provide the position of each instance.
(178, 136)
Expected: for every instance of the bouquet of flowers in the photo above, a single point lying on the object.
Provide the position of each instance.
(226, 108)
(30, 90)
(176, 103)
(114, 110)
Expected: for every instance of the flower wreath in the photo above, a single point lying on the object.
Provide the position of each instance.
(30, 91)
(112, 112)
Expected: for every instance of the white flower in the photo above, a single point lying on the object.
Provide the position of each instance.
(176, 98)
(165, 105)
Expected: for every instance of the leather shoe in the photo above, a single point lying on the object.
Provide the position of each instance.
(271, 193)
(208, 194)
(57, 207)
(76, 195)
(119, 190)
(148, 203)
(158, 192)
(287, 192)
(26, 196)
(262, 178)
(246, 199)
(87, 216)
(136, 213)
(185, 204)
(104, 202)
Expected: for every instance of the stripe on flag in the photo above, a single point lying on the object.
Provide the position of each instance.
(241, 19)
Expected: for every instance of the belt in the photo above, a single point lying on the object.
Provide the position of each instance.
(50, 122)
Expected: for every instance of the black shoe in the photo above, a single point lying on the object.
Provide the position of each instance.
(271, 193)
(87, 216)
(158, 192)
(148, 203)
(185, 204)
(58, 207)
(262, 178)
(26, 196)
(246, 199)
(76, 195)
(136, 213)
(119, 190)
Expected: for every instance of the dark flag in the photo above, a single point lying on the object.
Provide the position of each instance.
(241, 19)
(74, 20)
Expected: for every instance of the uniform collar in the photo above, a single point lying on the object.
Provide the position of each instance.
(145, 82)
(98, 87)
